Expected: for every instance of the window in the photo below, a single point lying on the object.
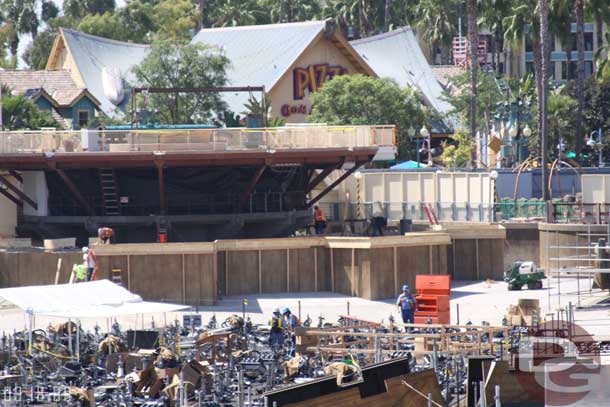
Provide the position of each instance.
(529, 67)
(572, 45)
(83, 118)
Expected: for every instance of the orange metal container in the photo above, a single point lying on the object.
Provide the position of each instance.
(433, 298)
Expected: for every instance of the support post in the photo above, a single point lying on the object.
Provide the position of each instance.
(250, 188)
(74, 191)
(334, 184)
(320, 177)
(161, 188)
(18, 192)
(11, 198)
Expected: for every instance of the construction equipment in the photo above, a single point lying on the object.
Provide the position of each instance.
(524, 273)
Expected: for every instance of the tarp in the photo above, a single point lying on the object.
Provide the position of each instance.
(407, 165)
(92, 299)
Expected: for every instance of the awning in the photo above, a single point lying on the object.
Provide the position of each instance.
(93, 299)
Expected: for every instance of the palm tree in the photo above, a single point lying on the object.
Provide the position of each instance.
(544, 50)
(491, 16)
(599, 11)
(473, 41)
(344, 12)
(580, 43)
(436, 23)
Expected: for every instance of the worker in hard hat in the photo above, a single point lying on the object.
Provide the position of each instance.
(89, 261)
(104, 235)
(276, 332)
(407, 304)
(290, 320)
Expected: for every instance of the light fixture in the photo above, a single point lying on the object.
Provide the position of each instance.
(424, 132)
(493, 174)
(591, 142)
(411, 132)
(527, 131)
(512, 132)
(357, 175)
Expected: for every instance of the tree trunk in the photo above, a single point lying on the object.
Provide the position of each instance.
(538, 78)
(473, 41)
(580, 43)
(545, 54)
(201, 13)
(599, 27)
(281, 19)
(362, 18)
(386, 16)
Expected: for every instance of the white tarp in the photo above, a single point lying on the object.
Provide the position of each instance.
(93, 299)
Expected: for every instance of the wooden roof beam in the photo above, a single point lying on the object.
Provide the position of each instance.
(18, 192)
(75, 192)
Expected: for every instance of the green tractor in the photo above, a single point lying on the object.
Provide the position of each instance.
(524, 273)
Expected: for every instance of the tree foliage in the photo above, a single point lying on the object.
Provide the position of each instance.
(19, 112)
(359, 100)
(457, 151)
(171, 63)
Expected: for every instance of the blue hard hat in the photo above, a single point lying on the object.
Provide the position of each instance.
(285, 310)
(405, 287)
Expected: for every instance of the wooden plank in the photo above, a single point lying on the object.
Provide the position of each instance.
(18, 192)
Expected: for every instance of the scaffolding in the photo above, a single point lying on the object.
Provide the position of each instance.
(581, 261)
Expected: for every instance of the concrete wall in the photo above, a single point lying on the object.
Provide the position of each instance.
(522, 243)
(26, 268)
(198, 273)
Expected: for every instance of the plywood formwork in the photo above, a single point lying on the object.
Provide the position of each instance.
(197, 273)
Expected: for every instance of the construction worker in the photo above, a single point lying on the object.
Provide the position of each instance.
(276, 333)
(80, 272)
(407, 304)
(319, 220)
(89, 261)
(104, 235)
(290, 321)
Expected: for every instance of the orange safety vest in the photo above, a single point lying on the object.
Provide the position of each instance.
(319, 215)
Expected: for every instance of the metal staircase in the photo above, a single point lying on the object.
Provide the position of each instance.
(110, 192)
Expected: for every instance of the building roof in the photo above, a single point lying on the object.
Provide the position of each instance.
(58, 86)
(93, 55)
(261, 54)
(444, 73)
(397, 55)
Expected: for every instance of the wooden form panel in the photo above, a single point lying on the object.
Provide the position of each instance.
(412, 261)
(341, 279)
(241, 272)
(200, 282)
(302, 270)
(157, 277)
(273, 270)
(382, 281)
(464, 259)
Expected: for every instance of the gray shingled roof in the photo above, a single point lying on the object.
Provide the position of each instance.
(91, 54)
(259, 54)
(58, 84)
(397, 55)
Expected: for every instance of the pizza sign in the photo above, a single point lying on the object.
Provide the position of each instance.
(313, 77)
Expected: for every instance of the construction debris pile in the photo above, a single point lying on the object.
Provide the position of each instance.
(226, 364)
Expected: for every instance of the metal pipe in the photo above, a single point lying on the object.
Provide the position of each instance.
(497, 396)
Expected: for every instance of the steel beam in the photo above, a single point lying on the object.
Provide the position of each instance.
(250, 188)
(334, 184)
(320, 177)
(18, 192)
(161, 188)
(79, 197)
(16, 175)
(11, 197)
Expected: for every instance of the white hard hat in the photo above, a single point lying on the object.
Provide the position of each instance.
(85, 249)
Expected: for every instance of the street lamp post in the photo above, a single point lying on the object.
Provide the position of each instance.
(426, 134)
(599, 145)
(411, 134)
